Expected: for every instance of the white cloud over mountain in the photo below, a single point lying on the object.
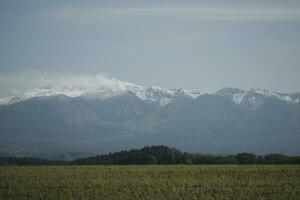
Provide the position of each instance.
(102, 86)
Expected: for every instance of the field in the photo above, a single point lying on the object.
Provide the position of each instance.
(151, 182)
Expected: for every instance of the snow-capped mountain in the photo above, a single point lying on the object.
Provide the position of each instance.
(254, 98)
(107, 114)
(106, 87)
(235, 94)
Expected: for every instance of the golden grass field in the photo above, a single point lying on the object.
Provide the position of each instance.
(151, 182)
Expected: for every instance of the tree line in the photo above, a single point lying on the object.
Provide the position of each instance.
(158, 155)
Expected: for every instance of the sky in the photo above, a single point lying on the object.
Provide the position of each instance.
(208, 45)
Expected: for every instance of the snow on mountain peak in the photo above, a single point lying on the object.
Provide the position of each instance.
(280, 96)
(86, 86)
(164, 96)
(235, 94)
(103, 86)
(254, 98)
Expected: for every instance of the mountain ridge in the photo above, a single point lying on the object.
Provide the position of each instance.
(109, 87)
(260, 121)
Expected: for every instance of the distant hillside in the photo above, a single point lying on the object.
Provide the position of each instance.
(120, 116)
(157, 155)
(166, 155)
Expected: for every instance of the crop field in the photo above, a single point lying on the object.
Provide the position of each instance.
(151, 182)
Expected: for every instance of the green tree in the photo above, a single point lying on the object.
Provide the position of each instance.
(246, 158)
(150, 159)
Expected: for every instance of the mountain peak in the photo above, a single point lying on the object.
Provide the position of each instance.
(255, 97)
(235, 94)
(230, 90)
(103, 86)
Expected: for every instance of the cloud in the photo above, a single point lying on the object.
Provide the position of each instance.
(244, 14)
(18, 83)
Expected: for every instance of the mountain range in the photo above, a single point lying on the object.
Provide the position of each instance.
(114, 115)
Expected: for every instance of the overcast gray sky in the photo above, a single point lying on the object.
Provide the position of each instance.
(177, 44)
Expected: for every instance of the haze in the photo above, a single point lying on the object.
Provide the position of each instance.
(177, 44)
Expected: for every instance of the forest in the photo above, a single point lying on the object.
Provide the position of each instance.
(152, 155)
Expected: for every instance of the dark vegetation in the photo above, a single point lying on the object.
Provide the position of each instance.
(158, 155)
(130, 182)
